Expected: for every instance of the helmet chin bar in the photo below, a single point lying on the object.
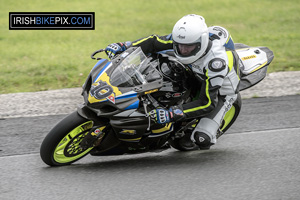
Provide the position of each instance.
(195, 55)
(176, 47)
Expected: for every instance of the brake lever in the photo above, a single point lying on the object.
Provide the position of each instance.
(98, 51)
(146, 102)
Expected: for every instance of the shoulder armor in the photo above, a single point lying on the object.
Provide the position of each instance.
(223, 35)
(217, 65)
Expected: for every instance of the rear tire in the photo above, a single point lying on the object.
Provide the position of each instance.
(62, 144)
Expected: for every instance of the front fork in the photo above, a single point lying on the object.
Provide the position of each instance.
(93, 137)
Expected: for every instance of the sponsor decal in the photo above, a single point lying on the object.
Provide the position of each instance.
(101, 90)
(96, 132)
(249, 57)
(221, 31)
(168, 95)
(178, 112)
(151, 91)
(128, 132)
(112, 98)
(175, 95)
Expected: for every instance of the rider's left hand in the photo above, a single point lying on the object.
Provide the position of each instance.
(116, 48)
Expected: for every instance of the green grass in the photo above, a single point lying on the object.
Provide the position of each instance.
(33, 60)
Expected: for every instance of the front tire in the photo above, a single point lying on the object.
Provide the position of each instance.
(62, 144)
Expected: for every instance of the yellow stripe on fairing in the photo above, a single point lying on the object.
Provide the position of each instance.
(135, 139)
(166, 128)
(259, 67)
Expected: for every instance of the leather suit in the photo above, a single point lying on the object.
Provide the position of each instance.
(217, 70)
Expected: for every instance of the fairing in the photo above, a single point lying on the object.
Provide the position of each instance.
(113, 87)
(253, 64)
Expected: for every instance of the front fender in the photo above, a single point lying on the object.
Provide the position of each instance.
(87, 113)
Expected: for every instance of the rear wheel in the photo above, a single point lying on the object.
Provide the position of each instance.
(62, 144)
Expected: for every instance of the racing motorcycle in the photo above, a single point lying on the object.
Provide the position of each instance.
(118, 95)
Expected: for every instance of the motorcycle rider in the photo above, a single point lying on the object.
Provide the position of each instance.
(209, 52)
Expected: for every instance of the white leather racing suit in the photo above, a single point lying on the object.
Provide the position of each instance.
(217, 70)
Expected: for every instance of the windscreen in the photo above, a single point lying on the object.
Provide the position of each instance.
(135, 69)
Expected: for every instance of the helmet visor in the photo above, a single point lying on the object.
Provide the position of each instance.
(186, 50)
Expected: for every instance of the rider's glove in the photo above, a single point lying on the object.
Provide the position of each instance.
(116, 48)
(162, 116)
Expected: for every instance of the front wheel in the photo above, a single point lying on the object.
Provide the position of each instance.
(62, 144)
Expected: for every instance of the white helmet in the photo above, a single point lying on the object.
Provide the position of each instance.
(190, 38)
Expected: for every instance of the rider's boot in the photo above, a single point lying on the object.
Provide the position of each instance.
(186, 141)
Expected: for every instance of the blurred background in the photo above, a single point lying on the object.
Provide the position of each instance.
(38, 60)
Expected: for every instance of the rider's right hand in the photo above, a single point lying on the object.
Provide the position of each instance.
(115, 48)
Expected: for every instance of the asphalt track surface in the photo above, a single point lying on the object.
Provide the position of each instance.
(257, 159)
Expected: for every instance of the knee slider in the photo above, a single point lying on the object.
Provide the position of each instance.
(202, 140)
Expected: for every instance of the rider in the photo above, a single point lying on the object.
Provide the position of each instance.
(209, 52)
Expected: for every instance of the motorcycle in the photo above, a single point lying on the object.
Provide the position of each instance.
(118, 95)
